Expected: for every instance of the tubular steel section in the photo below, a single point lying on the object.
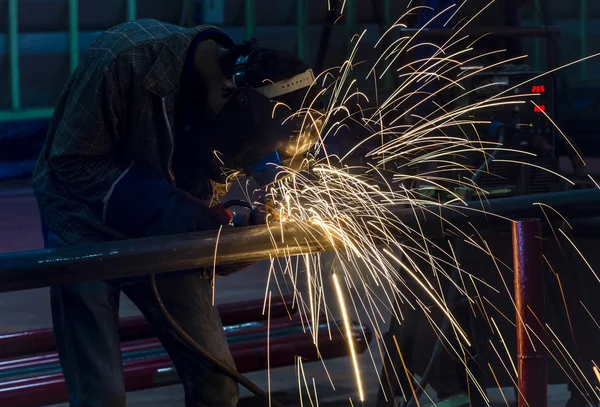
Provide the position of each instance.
(13, 52)
(529, 301)
(301, 28)
(131, 10)
(27, 114)
(73, 34)
(136, 257)
(250, 20)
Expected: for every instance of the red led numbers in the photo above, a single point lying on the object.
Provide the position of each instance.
(538, 89)
(539, 109)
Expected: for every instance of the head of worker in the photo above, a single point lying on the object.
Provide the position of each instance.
(262, 111)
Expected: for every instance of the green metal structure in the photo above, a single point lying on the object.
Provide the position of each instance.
(19, 112)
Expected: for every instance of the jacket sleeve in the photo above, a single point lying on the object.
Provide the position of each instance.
(82, 157)
(87, 157)
(143, 204)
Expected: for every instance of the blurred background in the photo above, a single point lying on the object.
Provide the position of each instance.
(41, 42)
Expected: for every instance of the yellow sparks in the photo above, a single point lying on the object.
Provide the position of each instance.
(346, 319)
(506, 348)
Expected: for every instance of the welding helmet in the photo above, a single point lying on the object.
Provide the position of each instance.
(266, 130)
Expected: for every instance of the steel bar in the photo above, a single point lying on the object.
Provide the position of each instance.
(13, 51)
(25, 114)
(132, 328)
(136, 257)
(73, 34)
(250, 18)
(157, 370)
(301, 28)
(131, 10)
(529, 301)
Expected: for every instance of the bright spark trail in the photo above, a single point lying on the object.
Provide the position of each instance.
(352, 204)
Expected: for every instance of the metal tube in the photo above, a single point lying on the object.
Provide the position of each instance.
(130, 258)
(250, 13)
(301, 28)
(28, 114)
(131, 10)
(73, 34)
(529, 301)
(13, 52)
(583, 24)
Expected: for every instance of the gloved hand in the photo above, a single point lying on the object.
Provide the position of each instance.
(257, 216)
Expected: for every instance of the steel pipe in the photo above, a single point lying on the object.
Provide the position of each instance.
(530, 309)
(136, 257)
(134, 328)
(13, 52)
(250, 18)
(131, 10)
(73, 34)
(301, 28)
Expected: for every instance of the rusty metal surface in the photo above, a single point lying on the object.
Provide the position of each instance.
(530, 309)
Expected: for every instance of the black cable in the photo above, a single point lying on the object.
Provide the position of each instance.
(232, 373)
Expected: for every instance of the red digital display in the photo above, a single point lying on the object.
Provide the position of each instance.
(539, 109)
(538, 89)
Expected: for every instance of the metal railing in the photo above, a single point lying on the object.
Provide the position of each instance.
(137, 257)
(18, 112)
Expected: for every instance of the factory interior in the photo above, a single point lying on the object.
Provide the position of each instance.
(435, 245)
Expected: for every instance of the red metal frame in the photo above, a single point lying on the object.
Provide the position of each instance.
(530, 308)
(153, 372)
(42, 340)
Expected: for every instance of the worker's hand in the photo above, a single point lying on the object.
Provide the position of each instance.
(257, 216)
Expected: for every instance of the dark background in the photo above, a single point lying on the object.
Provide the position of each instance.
(44, 56)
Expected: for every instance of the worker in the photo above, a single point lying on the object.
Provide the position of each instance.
(149, 127)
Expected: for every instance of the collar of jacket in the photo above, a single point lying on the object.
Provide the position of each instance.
(165, 75)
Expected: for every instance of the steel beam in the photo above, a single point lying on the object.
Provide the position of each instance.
(136, 257)
(73, 34)
(13, 52)
(250, 18)
(530, 308)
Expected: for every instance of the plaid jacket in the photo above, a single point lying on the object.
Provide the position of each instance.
(118, 105)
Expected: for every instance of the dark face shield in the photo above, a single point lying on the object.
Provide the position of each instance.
(257, 136)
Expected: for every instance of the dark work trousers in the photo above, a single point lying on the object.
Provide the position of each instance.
(85, 318)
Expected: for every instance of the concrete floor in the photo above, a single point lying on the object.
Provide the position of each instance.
(19, 230)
